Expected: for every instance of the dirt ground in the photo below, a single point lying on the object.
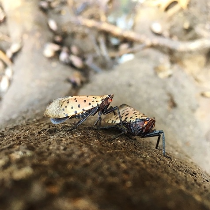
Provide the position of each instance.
(46, 166)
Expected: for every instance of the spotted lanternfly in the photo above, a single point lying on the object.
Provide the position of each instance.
(80, 107)
(134, 123)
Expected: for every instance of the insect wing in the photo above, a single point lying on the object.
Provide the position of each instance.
(128, 114)
(72, 105)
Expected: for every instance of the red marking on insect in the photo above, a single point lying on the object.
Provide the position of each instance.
(135, 123)
(110, 100)
(81, 107)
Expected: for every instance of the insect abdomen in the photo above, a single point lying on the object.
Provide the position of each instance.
(54, 110)
(73, 105)
(135, 128)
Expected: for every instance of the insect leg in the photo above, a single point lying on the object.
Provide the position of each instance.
(157, 133)
(107, 111)
(108, 127)
(158, 141)
(99, 119)
(112, 109)
(85, 118)
(117, 135)
(121, 123)
(164, 143)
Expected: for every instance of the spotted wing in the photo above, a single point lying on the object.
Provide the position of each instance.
(128, 114)
(72, 105)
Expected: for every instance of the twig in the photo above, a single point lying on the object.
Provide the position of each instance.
(134, 49)
(4, 57)
(103, 48)
(90, 64)
(96, 47)
(180, 46)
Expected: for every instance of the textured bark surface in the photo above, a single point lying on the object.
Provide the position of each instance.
(44, 166)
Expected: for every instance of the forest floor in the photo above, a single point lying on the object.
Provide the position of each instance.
(46, 166)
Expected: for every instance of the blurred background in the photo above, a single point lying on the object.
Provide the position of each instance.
(152, 54)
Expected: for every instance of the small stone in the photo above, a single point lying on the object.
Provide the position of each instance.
(156, 28)
(76, 61)
(205, 94)
(22, 173)
(52, 24)
(50, 49)
(4, 84)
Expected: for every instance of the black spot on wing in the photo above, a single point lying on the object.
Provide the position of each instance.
(116, 117)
